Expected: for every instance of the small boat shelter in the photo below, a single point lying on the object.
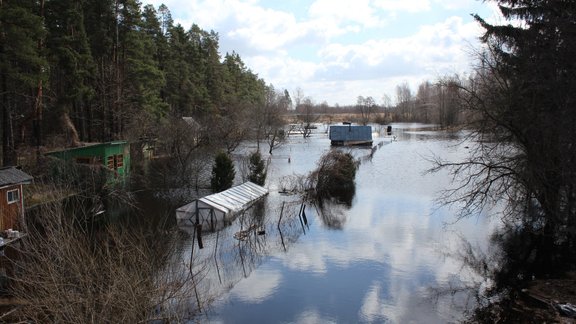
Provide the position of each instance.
(350, 135)
(221, 206)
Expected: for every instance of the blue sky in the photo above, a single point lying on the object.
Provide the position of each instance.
(337, 50)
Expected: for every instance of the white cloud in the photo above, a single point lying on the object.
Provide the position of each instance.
(258, 286)
(341, 12)
(434, 47)
(312, 316)
(371, 66)
(337, 50)
(403, 5)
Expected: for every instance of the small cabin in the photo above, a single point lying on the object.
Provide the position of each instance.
(215, 209)
(12, 181)
(114, 156)
(195, 129)
(349, 134)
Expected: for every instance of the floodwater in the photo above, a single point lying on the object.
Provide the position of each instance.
(388, 257)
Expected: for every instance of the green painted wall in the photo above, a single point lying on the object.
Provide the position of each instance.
(115, 156)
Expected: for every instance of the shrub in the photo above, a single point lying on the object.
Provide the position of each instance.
(335, 175)
(223, 172)
(257, 169)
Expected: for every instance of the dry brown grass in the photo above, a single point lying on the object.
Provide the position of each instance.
(67, 273)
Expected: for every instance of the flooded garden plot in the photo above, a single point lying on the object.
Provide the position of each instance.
(388, 255)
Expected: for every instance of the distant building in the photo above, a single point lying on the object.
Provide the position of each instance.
(12, 180)
(195, 129)
(350, 135)
(114, 156)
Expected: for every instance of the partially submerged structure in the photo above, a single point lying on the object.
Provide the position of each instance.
(222, 206)
(12, 180)
(349, 134)
(114, 156)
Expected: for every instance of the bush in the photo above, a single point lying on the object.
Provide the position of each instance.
(335, 175)
(223, 172)
(257, 169)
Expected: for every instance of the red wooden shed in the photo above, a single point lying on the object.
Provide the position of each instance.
(12, 180)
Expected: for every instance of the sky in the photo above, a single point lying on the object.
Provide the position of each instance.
(336, 50)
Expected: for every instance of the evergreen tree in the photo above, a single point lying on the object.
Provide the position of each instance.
(101, 27)
(215, 74)
(139, 76)
(223, 172)
(257, 169)
(240, 84)
(101, 67)
(71, 63)
(22, 68)
(199, 67)
(180, 92)
(525, 93)
(156, 24)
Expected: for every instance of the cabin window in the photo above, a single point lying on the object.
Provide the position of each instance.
(84, 160)
(110, 162)
(13, 196)
(119, 160)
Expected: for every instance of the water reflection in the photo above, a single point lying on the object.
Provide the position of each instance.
(333, 212)
(228, 256)
(513, 282)
(389, 249)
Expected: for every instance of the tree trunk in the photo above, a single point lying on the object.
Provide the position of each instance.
(8, 153)
(70, 130)
(38, 103)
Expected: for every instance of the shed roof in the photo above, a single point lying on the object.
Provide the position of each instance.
(13, 175)
(350, 133)
(191, 122)
(88, 146)
(232, 200)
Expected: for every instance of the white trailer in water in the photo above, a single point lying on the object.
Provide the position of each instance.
(222, 206)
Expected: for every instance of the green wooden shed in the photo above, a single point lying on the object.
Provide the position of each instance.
(115, 156)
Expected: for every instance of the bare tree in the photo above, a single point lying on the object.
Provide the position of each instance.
(298, 97)
(522, 96)
(366, 107)
(186, 159)
(425, 102)
(307, 116)
(404, 102)
(448, 102)
(267, 119)
(230, 130)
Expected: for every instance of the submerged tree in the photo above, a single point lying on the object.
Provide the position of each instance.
(334, 177)
(223, 172)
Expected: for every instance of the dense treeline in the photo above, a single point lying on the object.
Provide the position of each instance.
(109, 69)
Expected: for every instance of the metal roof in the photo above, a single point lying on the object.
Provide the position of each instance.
(350, 133)
(232, 200)
(13, 175)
